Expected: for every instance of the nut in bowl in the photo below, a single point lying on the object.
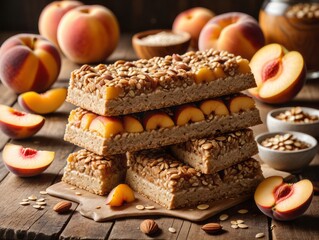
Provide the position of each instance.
(299, 119)
(160, 42)
(286, 151)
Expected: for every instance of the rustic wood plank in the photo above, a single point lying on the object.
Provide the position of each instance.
(28, 222)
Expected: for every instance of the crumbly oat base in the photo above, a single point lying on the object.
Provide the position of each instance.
(173, 184)
(124, 142)
(143, 84)
(212, 154)
(94, 173)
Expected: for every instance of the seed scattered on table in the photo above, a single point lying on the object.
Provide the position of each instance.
(240, 221)
(223, 217)
(259, 235)
(149, 207)
(24, 203)
(242, 225)
(32, 198)
(37, 206)
(203, 206)
(25, 200)
(78, 193)
(235, 226)
(243, 211)
(41, 200)
(233, 222)
(139, 207)
(172, 230)
(72, 188)
(43, 193)
(41, 203)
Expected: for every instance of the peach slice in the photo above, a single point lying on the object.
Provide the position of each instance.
(216, 107)
(44, 103)
(26, 162)
(241, 103)
(283, 201)
(157, 119)
(86, 120)
(107, 126)
(132, 125)
(17, 124)
(279, 74)
(121, 193)
(187, 113)
(206, 75)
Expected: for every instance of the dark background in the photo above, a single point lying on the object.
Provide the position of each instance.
(133, 15)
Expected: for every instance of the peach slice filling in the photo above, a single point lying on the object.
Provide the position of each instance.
(120, 194)
(206, 75)
(153, 120)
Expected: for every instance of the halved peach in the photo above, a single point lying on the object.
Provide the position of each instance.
(157, 119)
(215, 106)
(132, 125)
(44, 103)
(241, 103)
(26, 162)
(187, 113)
(283, 201)
(17, 124)
(121, 193)
(279, 74)
(107, 126)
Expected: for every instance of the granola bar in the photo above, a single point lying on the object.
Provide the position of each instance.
(137, 86)
(173, 184)
(94, 173)
(106, 136)
(212, 154)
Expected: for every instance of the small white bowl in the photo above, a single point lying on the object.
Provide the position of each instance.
(274, 124)
(289, 161)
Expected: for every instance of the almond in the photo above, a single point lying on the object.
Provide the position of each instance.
(212, 228)
(149, 227)
(62, 207)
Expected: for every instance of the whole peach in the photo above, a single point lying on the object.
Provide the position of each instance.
(29, 62)
(88, 34)
(192, 21)
(234, 32)
(50, 18)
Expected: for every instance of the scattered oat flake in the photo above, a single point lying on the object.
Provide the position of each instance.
(32, 198)
(139, 207)
(72, 188)
(36, 206)
(25, 200)
(43, 192)
(78, 193)
(243, 211)
(24, 203)
(259, 235)
(240, 221)
(41, 203)
(202, 206)
(149, 207)
(97, 207)
(242, 225)
(235, 226)
(223, 217)
(233, 222)
(41, 200)
(172, 230)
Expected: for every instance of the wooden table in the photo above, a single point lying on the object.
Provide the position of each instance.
(19, 222)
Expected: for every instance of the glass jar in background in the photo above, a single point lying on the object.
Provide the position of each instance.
(295, 25)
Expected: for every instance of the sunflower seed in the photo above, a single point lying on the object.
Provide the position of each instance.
(223, 217)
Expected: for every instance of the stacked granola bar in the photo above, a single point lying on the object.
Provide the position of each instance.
(181, 121)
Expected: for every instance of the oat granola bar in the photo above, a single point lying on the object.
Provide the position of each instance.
(212, 154)
(98, 136)
(173, 184)
(94, 173)
(137, 86)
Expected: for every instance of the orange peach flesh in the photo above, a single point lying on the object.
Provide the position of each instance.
(188, 114)
(106, 126)
(157, 120)
(132, 125)
(119, 194)
(241, 103)
(214, 106)
(264, 194)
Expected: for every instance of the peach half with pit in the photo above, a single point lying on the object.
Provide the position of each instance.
(43, 103)
(26, 162)
(283, 201)
(279, 74)
(120, 194)
(17, 124)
